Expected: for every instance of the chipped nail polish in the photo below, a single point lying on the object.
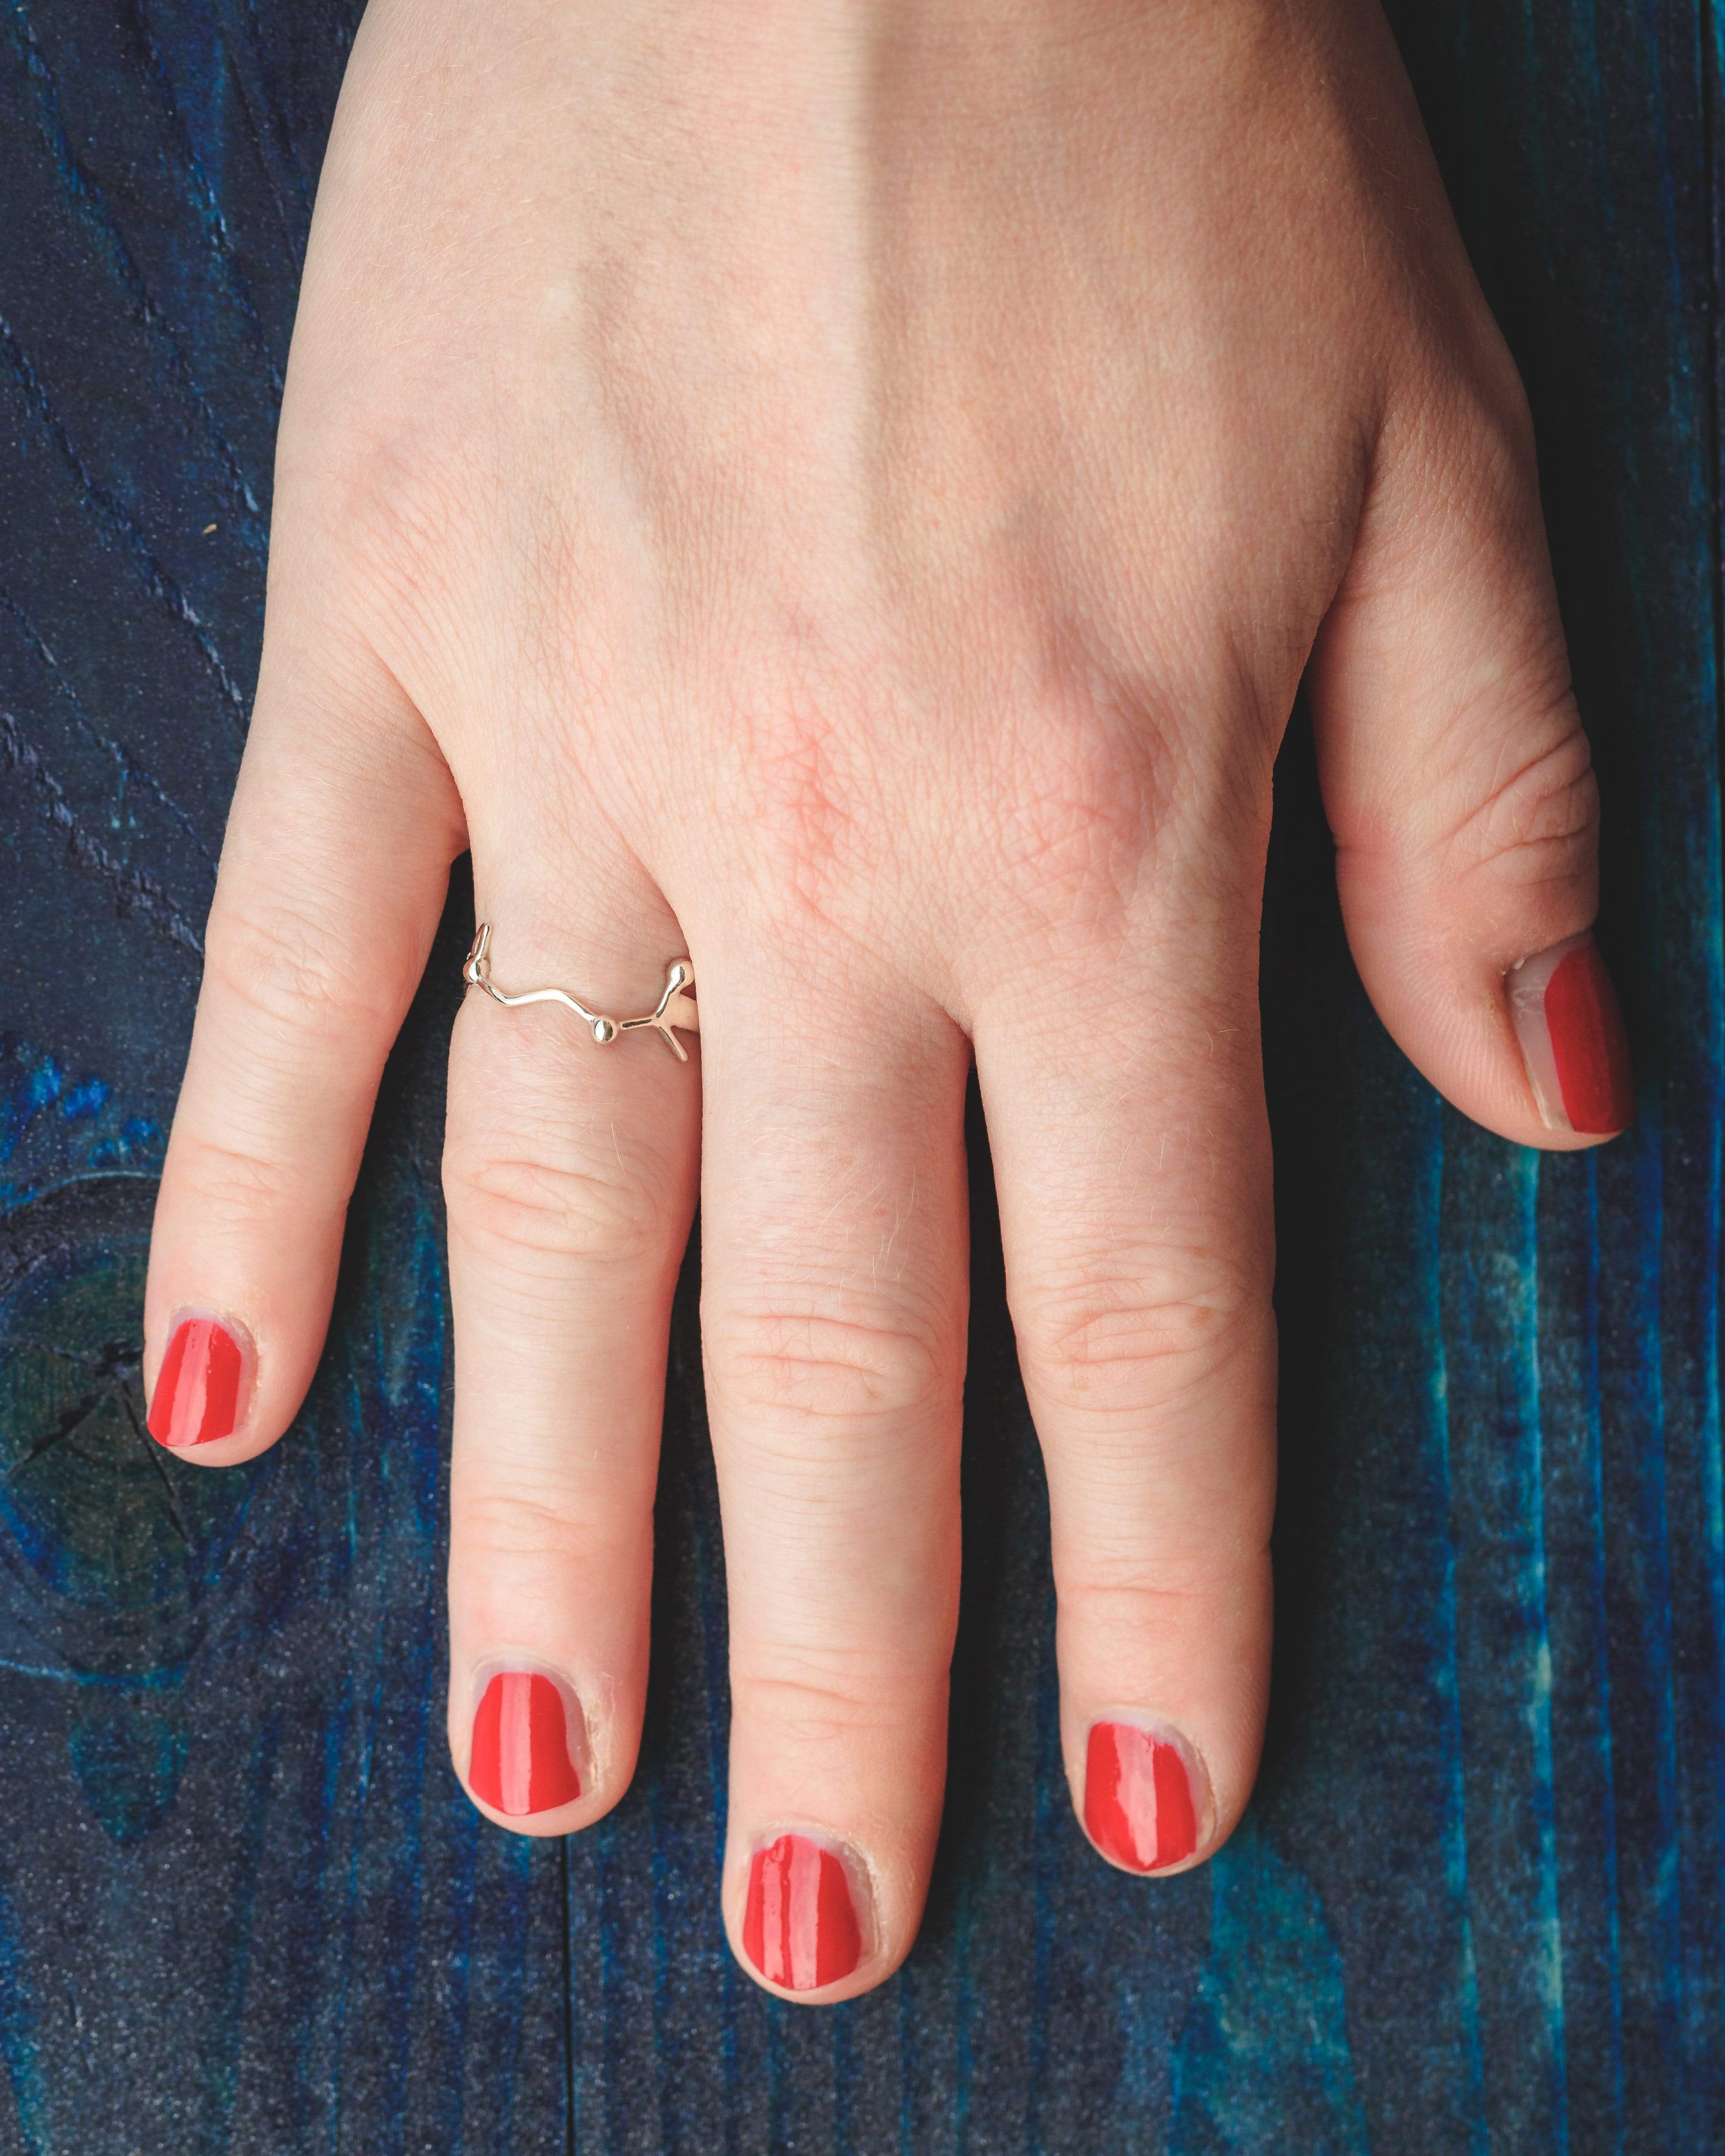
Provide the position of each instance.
(1140, 1805)
(799, 1925)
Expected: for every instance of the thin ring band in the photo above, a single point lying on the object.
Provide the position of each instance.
(674, 1008)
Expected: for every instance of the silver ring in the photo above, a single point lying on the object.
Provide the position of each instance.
(674, 1008)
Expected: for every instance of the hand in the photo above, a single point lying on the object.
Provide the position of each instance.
(848, 493)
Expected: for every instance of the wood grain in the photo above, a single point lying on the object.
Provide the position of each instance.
(1479, 1902)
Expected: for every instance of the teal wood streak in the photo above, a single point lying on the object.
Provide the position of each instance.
(1584, 1816)
(1497, 1527)
(1249, 2075)
(1479, 1902)
(1364, 1776)
(33, 2122)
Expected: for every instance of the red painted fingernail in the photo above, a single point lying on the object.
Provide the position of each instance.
(799, 1926)
(1572, 1038)
(1139, 1806)
(521, 1761)
(197, 1396)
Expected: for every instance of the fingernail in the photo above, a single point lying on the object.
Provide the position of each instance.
(523, 1759)
(799, 1924)
(196, 1395)
(1572, 1038)
(1141, 1801)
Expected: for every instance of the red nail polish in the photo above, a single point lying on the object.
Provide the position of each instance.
(1137, 1798)
(1587, 1041)
(1572, 1040)
(799, 1925)
(521, 1760)
(197, 1396)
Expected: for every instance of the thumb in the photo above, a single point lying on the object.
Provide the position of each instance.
(1458, 783)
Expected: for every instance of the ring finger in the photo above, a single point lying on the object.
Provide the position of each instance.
(570, 1170)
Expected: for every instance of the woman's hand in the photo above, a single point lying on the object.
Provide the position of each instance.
(848, 492)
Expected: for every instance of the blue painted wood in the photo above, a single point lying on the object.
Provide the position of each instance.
(1479, 1902)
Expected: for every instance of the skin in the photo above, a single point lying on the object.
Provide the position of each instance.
(848, 491)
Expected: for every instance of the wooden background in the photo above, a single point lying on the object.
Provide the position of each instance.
(1478, 1903)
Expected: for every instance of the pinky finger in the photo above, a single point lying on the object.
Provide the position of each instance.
(337, 854)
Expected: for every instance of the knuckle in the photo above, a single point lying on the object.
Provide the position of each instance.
(1183, 1593)
(1481, 421)
(1539, 819)
(391, 487)
(513, 1523)
(1498, 421)
(533, 1537)
(825, 1370)
(1102, 785)
(1125, 1593)
(288, 970)
(1118, 1340)
(822, 1697)
(1508, 418)
(513, 1203)
(390, 497)
(799, 794)
(234, 1181)
(1085, 805)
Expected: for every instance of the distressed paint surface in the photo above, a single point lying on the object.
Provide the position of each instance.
(1479, 1904)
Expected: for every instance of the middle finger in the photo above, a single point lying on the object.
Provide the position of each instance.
(834, 1296)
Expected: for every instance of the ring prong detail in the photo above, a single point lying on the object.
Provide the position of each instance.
(676, 1010)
